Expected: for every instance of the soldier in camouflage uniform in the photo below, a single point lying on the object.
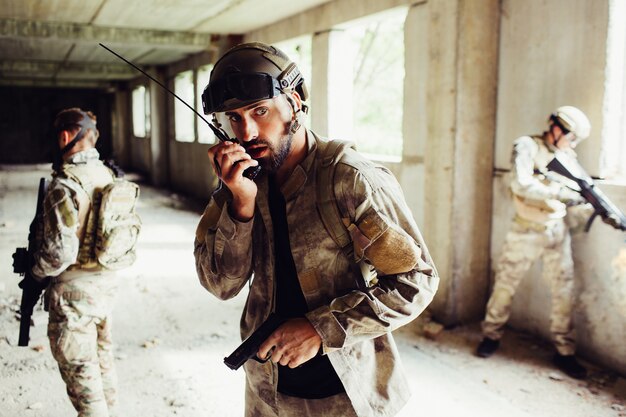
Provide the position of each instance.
(335, 356)
(541, 228)
(81, 293)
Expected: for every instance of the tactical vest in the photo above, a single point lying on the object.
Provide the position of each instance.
(544, 210)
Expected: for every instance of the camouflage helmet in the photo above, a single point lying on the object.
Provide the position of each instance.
(572, 119)
(248, 73)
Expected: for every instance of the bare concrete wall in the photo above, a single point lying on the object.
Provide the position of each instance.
(140, 154)
(159, 168)
(544, 64)
(191, 170)
(552, 53)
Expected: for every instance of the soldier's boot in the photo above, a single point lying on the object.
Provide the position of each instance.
(569, 365)
(487, 347)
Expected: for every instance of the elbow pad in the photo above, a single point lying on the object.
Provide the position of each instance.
(384, 244)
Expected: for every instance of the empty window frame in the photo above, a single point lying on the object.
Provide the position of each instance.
(141, 112)
(184, 127)
(378, 77)
(613, 154)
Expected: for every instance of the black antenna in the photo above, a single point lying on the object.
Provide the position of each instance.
(250, 173)
(216, 131)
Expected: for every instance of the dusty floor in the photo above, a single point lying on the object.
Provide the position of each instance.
(171, 337)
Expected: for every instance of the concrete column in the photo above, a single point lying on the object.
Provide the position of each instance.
(120, 128)
(461, 103)
(158, 136)
(414, 123)
(331, 100)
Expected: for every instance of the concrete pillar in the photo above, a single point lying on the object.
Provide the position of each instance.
(120, 128)
(331, 109)
(414, 123)
(158, 136)
(461, 103)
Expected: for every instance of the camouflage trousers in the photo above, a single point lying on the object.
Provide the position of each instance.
(524, 243)
(336, 406)
(79, 330)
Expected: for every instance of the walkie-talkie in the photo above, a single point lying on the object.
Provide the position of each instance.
(220, 134)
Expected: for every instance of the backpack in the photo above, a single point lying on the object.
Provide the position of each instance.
(112, 226)
(118, 225)
(330, 153)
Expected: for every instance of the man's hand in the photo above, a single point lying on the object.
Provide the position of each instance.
(293, 343)
(229, 161)
(570, 197)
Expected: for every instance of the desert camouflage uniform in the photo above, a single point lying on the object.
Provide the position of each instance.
(355, 324)
(539, 229)
(81, 293)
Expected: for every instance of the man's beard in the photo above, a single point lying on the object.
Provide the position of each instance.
(278, 153)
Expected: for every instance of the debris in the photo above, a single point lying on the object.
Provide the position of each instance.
(35, 406)
(432, 330)
(555, 376)
(39, 348)
(617, 407)
(175, 403)
(151, 343)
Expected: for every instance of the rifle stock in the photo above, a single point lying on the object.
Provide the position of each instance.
(22, 263)
(601, 204)
(249, 348)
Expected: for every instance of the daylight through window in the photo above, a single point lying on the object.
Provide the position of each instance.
(183, 116)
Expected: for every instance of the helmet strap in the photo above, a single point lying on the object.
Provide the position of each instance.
(296, 112)
(85, 124)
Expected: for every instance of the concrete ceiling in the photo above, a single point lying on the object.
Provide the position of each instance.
(55, 42)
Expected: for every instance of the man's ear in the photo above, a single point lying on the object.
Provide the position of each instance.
(296, 97)
(64, 137)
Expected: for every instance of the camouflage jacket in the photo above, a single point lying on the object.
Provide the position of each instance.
(537, 196)
(354, 322)
(66, 211)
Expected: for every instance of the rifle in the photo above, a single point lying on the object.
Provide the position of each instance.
(249, 348)
(602, 206)
(22, 263)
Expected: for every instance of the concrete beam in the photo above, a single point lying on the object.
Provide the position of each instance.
(86, 70)
(54, 83)
(87, 33)
(324, 17)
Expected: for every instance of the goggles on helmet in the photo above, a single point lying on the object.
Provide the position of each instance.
(244, 87)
